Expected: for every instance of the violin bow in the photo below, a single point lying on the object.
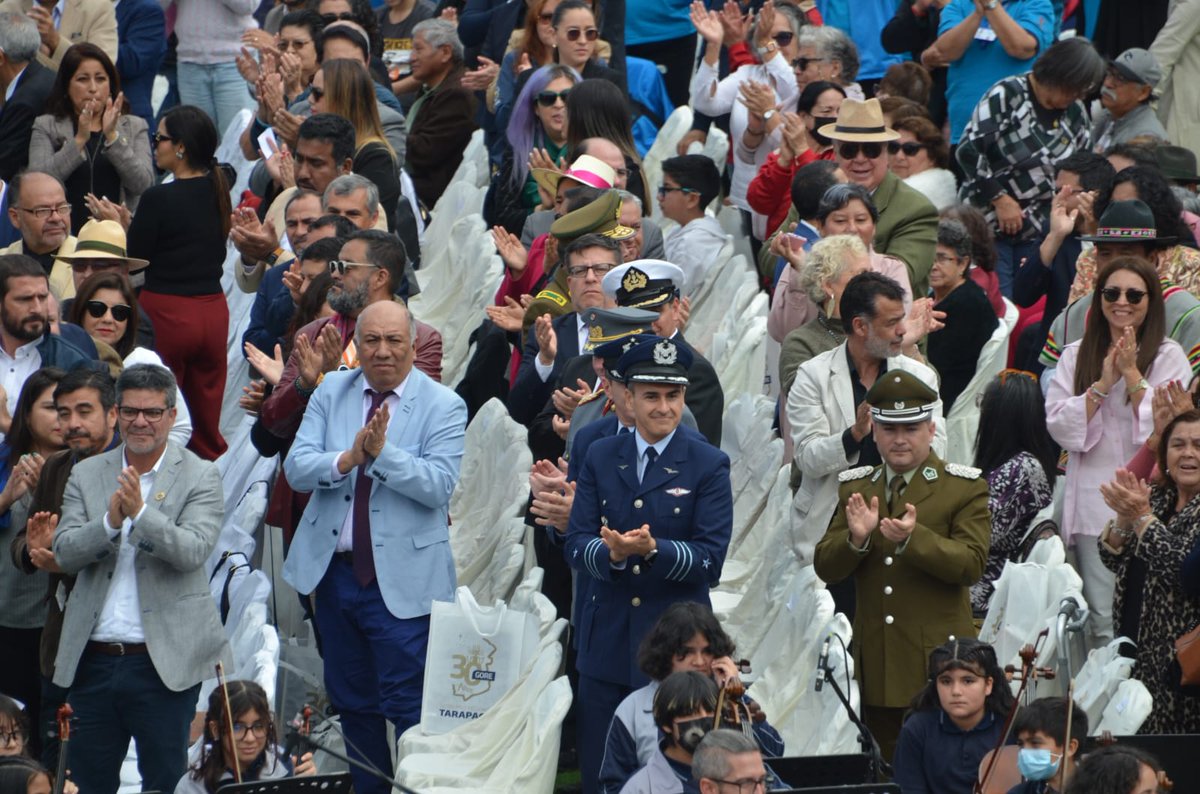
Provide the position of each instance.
(1029, 655)
(237, 764)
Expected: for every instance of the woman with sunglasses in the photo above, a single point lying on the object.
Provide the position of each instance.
(920, 157)
(827, 53)
(1099, 409)
(88, 139)
(538, 124)
(1020, 465)
(250, 751)
(754, 95)
(343, 87)
(180, 229)
(770, 190)
(106, 307)
(577, 40)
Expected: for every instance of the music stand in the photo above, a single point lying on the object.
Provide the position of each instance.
(879, 769)
(339, 783)
(822, 770)
(862, 788)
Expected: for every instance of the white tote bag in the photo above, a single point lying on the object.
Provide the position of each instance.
(475, 656)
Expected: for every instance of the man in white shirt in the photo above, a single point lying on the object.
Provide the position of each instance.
(689, 184)
(141, 630)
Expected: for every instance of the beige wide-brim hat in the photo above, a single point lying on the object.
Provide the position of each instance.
(103, 240)
(861, 122)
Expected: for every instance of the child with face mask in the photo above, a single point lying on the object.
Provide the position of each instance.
(954, 721)
(683, 710)
(1040, 729)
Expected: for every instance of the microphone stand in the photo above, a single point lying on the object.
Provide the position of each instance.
(879, 768)
(308, 743)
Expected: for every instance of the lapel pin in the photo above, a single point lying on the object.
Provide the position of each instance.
(930, 473)
(158, 497)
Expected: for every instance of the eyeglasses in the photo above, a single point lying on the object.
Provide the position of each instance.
(591, 34)
(663, 190)
(850, 150)
(240, 729)
(945, 259)
(910, 148)
(316, 94)
(293, 44)
(745, 786)
(581, 271)
(340, 266)
(159, 138)
(130, 414)
(98, 309)
(329, 19)
(801, 64)
(547, 99)
(42, 213)
(1113, 294)
(783, 37)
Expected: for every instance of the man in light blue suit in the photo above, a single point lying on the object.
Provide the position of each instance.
(379, 448)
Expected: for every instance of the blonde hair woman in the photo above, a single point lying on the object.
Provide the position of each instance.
(343, 87)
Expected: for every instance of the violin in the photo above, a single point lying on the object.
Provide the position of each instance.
(63, 718)
(998, 770)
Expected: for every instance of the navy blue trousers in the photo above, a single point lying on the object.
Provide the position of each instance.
(595, 706)
(374, 668)
(119, 697)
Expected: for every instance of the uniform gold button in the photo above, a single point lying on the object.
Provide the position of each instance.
(637, 569)
(637, 503)
(887, 560)
(887, 619)
(637, 602)
(887, 590)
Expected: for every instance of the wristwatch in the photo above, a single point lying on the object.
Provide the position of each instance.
(990, 5)
(770, 47)
(769, 114)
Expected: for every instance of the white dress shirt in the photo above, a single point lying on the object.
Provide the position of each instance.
(15, 370)
(643, 445)
(346, 534)
(121, 616)
(542, 370)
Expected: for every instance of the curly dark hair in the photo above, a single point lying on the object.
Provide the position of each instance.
(682, 621)
(1153, 188)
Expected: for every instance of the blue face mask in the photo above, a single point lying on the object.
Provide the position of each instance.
(1037, 764)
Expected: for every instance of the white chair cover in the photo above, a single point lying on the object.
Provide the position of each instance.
(1099, 678)
(1127, 710)
(962, 425)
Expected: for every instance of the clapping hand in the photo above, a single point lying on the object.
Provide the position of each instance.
(376, 435)
(708, 24)
(479, 79)
(1062, 222)
(511, 316)
(271, 368)
(735, 25)
(553, 508)
(898, 530)
(39, 538)
(567, 400)
(543, 331)
(861, 518)
(252, 397)
(1127, 496)
(104, 209)
(315, 359)
(622, 545)
(758, 98)
(247, 66)
(1126, 348)
(110, 116)
(252, 238)
(126, 501)
(508, 245)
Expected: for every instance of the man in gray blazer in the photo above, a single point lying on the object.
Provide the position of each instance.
(141, 630)
(379, 448)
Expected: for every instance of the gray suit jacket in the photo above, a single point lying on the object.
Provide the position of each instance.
(52, 149)
(174, 537)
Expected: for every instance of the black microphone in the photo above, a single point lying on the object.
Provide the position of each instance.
(822, 664)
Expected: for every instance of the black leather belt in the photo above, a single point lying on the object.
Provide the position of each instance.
(117, 648)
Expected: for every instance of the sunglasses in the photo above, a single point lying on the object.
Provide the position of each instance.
(98, 309)
(159, 138)
(910, 148)
(783, 37)
(1113, 294)
(331, 18)
(340, 266)
(591, 34)
(801, 64)
(871, 149)
(547, 99)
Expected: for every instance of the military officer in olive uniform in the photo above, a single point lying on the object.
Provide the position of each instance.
(650, 526)
(914, 534)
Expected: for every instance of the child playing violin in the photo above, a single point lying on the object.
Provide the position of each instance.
(954, 721)
(252, 745)
(1040, 729)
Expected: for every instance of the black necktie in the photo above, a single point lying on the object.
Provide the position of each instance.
(363, 555)
(894, 489)
(651, 456)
